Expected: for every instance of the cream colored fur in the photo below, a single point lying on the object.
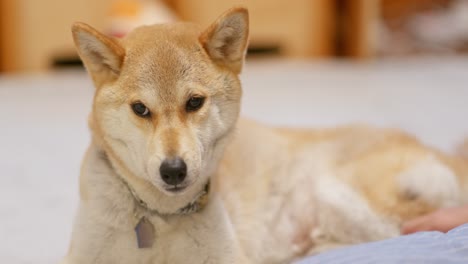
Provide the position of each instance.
(277, 194)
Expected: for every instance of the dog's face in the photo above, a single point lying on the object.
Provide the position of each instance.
(167, 97)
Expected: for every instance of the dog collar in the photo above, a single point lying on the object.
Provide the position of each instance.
(198, 203)
(144, 229)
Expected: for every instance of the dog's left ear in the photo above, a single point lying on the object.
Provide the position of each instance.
(226, 40)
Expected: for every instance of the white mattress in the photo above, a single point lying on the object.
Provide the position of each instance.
(43, 129)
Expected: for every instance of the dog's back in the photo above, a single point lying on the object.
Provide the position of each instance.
(304, 191)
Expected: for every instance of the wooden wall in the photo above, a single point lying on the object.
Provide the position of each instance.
(302, 28)
(7, 36)
(34, 31)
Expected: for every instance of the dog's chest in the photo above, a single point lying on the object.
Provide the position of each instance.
(168, 243)
(185, 239)
(131, 243)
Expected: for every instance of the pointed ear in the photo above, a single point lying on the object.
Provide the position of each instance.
(226, 40)
(102, 55)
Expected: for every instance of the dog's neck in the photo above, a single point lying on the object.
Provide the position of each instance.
(198, 203)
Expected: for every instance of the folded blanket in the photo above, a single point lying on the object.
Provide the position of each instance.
(422, 247)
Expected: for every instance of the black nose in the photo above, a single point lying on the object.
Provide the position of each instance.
(173, 171)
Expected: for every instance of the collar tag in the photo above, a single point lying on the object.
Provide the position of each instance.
(144, 231)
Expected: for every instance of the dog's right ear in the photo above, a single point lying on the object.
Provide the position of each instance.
(102, 55)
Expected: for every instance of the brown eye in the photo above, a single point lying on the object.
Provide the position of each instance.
(140, 109)
(194, 103)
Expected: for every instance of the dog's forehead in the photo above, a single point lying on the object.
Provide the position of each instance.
(162, 55)
(166, 47)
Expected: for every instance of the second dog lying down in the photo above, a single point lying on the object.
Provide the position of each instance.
(172, 175)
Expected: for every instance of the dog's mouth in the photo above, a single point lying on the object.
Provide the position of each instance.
(175, 189)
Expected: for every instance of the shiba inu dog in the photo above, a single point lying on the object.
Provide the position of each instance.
(173, 176)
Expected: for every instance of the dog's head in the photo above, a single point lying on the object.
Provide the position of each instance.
(167, 97)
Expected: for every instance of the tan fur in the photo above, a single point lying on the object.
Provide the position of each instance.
(277, 193)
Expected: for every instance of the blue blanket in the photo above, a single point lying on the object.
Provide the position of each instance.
(418, 248)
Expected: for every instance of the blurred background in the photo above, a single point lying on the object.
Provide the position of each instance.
(311, 63)
(35, 35)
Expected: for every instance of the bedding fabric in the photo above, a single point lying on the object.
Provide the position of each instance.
(422, 247)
